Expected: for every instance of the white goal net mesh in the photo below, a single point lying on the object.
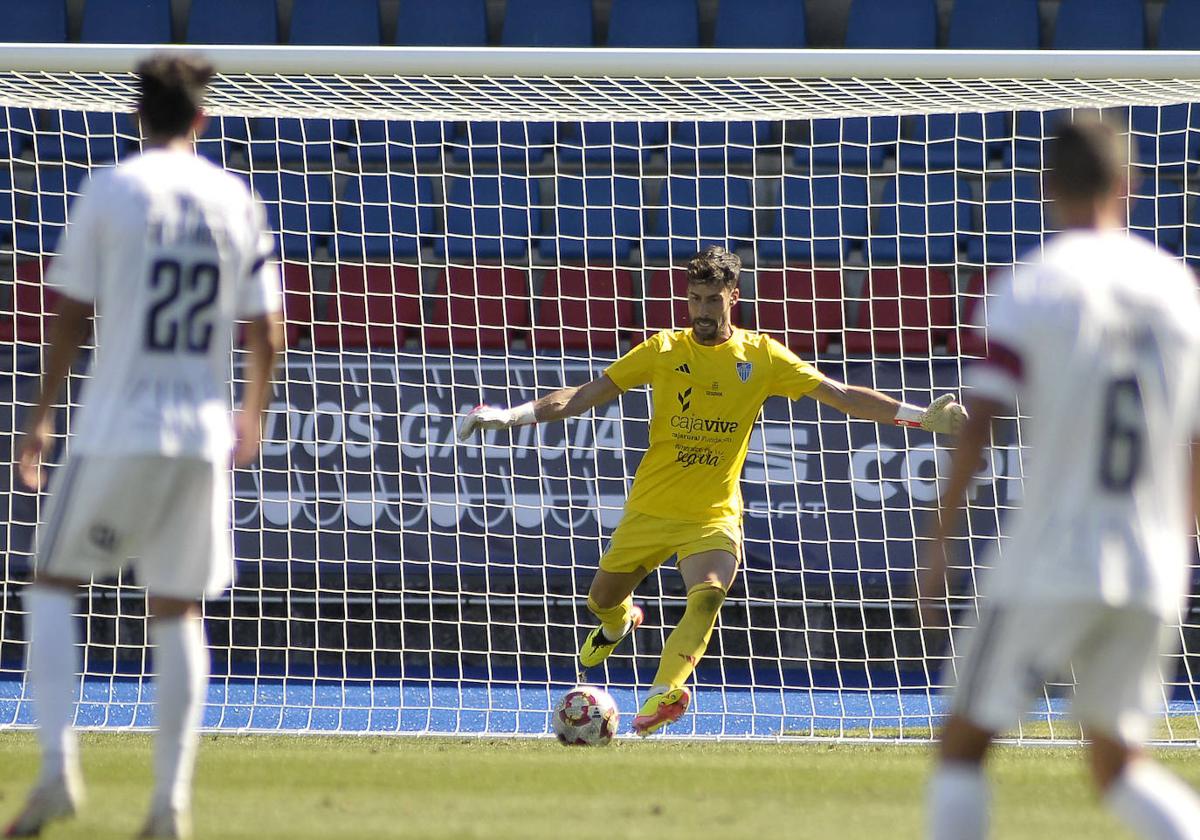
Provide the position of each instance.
(448, 241)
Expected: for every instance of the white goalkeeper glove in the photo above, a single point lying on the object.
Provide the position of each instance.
(486, 418)
(944, 416)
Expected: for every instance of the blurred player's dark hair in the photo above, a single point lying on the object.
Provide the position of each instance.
(714, 265)
(171, 90)
(1085, 161)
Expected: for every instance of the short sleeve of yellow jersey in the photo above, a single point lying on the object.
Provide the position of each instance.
(637, 366)
(791, 376)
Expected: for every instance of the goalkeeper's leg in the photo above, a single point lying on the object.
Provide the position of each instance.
(610, 599)
(708, 576)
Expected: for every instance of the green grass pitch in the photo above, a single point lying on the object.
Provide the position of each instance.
(372, 787)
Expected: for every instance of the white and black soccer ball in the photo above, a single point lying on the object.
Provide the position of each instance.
(586, 716)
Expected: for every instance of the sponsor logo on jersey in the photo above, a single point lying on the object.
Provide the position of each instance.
(683, 368)
(685, 399)
(704, 424)
(743, 370)
(692, 458)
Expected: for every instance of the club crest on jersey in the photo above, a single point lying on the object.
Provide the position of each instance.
(743, 371)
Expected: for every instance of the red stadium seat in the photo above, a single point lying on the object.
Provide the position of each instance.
(297, 301)
(26, 305)
(583, 308)
(372, 307)
(802, 307)
(665, 304)
(967, 340)
(904, 310)
(479, 308)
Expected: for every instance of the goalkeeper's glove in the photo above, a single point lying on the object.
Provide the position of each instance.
(944, 416)
(487, 417)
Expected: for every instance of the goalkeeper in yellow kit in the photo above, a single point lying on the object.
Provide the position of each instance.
(708, 384)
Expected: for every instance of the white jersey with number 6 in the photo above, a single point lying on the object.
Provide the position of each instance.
(172, 250)
(1099, 340)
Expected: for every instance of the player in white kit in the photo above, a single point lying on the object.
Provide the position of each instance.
(170, 251)
(1099, 339)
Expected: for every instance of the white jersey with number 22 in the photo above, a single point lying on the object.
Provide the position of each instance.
(1099, 341)
(172, 250)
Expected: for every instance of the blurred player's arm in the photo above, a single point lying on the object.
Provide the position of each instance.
(943, 415)
(559, 405)
(263, 341)
(68, 331)
(972, 440)
(1196, 481)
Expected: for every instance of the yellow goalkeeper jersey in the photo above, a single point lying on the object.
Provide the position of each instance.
(705, 400)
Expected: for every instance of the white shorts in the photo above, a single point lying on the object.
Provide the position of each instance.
(167, 517)
(1112, 652)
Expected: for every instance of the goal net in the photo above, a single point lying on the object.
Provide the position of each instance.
(466, 226)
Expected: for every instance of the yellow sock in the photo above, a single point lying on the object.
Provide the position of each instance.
(613, 619)
(689, 639)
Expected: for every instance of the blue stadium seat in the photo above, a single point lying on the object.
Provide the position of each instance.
(774, 24)
(924, 215)
(40, 222)
(849, 143)
(1179, 26)
(988, 25)
(86, 137)
(221, 136)
(602, 142)
(300, 206)
(963, 141)
(16, 131)
(489, 217)
(1156, 208)
(1012, 220)
(488, 143)
(718, 142)
(8, 200)
(892, 24)
(347, 22)
(126, 22)
(44, 21)
(1166, 137)
(597, 220)
(401, 141)
(232, 22)
(1100, 25)
(1031, 129)
(288, 139)
(820, 219)
(663, 23)
(536, 23)
(383, 216)
(459, 23)
(698, 211)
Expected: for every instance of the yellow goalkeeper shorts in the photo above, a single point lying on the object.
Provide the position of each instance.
(643, 542)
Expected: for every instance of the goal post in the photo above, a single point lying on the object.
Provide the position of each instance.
(458, 226)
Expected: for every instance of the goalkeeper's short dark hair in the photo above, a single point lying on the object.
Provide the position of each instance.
(715, 265)
(170, 92)
(1086, 160)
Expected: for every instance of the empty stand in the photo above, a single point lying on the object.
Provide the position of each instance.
(920, 219)
(86, 137)
(664, 303)
(774, 24)
(489, 217)
(1179, 26)
(384, 216)
(458, 23)
(1100, 25)
(802, 307)
(663, 23)
(728, 143)
(126, 22)
(610, 143)
(988, 25)
(535, 23)
(1012, 220)
(892, 24)
(1167, 137)
(43, 21)
(480, 308)
(297, 301)
(821, 219)
(850, 143)
(275, 142)
(16, 131)
(942, 142)
(596, 219)
(1156, 212)
(369, 307)
(1031, 129)
(232, 22)
(490, 143)
(299, 206)
(903, 310)
(400, 142)
(346, 22)
(40, 221)
(26, 304)
(583, 309)
(696, 211)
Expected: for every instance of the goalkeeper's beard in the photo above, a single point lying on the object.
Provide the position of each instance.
(705, 329)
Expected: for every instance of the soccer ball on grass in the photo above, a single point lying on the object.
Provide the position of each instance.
(586, 716)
